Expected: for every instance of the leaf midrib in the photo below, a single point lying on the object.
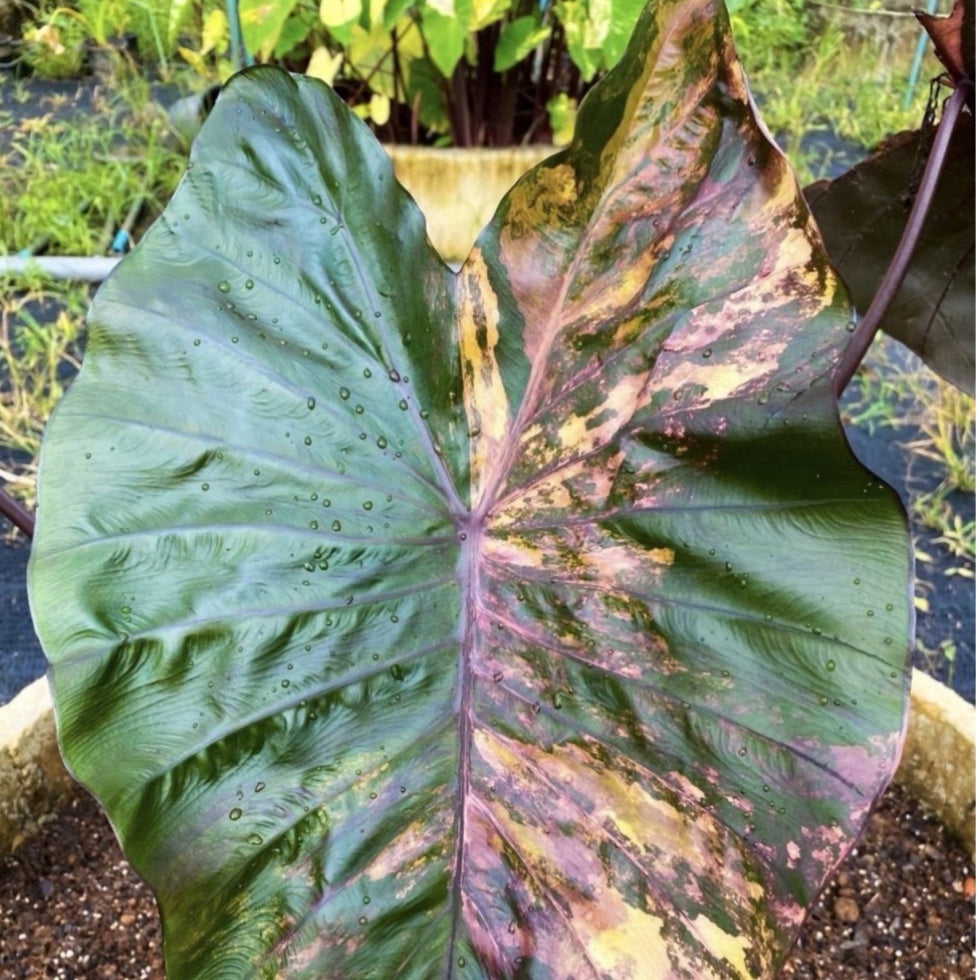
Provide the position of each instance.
(504, 461)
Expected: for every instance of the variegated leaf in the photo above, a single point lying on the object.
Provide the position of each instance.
(532, 620)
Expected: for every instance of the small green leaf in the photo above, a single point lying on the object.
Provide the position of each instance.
(339, 14)
(623, 19)
(445, 37)
(583, 40)
(597, 32)
(517, 40)
(262, 23)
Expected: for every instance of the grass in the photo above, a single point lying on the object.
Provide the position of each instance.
(40, 333)
(819, 80)
(896, 391)
(67, 184)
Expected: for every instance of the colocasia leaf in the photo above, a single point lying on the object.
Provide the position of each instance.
(530, 620)
(954, 38)
(862, 215)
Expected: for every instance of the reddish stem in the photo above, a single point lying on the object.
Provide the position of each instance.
(892, 280)
(17, 514)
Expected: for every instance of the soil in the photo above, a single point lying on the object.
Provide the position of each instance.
(901, 907)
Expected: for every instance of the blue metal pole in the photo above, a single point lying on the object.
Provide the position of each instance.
(920, 50)
(239, 53)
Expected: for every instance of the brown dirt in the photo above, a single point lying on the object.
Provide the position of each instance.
(901, 907)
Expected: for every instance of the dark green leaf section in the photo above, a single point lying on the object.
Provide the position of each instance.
(533, 621)
(862, 215)
(244, 575)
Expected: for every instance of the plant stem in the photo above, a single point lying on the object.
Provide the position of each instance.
(17, 514)
(892, 280)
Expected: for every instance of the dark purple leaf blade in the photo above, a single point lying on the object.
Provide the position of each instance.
(861, 216)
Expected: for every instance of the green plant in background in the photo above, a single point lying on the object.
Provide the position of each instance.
(53, 42)
(210, 57)
(949, 437)
(809, 76)
(66, 185)
(58, 39)
(65, 181)
(104, 20)
(485, 73)
(513, 72)
(533, 619)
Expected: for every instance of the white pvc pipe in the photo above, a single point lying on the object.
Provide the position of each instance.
(82, 268)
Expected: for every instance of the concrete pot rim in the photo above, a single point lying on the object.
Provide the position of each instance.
(938, 761)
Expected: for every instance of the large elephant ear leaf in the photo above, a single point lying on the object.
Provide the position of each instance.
(531, 620)
(862, 215)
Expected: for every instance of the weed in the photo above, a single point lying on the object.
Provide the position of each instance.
(40, 333)
(946, 651)
(54, 43)
(824, 91)
(67, 180)
(949, 435)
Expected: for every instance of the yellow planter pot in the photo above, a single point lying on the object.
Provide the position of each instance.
(458, 190)
(939, 761)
